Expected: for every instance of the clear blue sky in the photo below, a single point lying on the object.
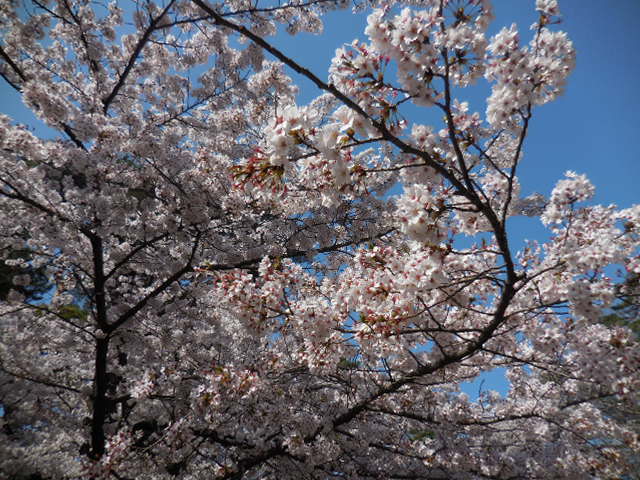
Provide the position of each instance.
(593, 129)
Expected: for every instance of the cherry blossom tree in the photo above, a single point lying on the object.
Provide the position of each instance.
(235, 291)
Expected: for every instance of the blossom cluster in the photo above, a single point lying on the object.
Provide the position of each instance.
(208, 279)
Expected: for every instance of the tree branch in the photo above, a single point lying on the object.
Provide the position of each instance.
(106, 101)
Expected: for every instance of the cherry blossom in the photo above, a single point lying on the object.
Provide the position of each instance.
(241, 286)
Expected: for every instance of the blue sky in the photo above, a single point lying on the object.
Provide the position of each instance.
(593, 129)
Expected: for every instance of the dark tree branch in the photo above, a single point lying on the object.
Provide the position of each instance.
(156, 291)
(132, 253)
(65, 128)
(12, 64)
(106, 102)
(99, 280)
(39, 381)
(100, 383)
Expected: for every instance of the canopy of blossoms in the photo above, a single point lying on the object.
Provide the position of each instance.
(234, 292)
